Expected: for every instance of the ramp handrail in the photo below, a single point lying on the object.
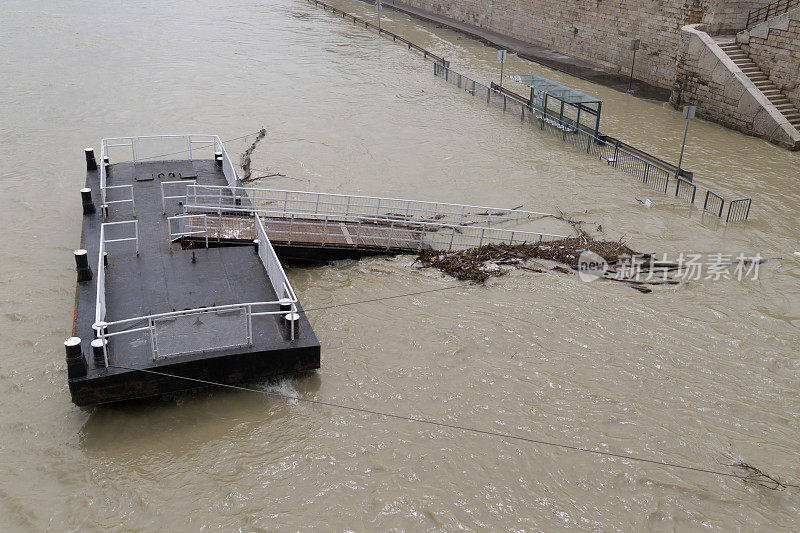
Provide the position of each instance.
(778, 7)
(277, 276)
(402, 234)
(216, 197)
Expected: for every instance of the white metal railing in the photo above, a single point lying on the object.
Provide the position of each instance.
(132, 146)
(187, 226)
(106, 201)
(394, 235)
(361, 232)
(172, 185)
(100, 280)
(334, 219)
(150, 323)
(277, 276)
(317, 205)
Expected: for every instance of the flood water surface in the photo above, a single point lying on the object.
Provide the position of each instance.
(704, 373)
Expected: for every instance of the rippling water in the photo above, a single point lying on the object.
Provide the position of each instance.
(703, 373)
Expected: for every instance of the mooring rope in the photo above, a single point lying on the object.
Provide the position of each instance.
(436, 423)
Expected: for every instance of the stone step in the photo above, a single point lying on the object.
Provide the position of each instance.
(771, 92)
(765, 85)
(784, 107)
(793, 117)
(761, 77)
(742, 62)
(737, 55)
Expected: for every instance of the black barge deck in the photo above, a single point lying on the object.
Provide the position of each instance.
(212, 314)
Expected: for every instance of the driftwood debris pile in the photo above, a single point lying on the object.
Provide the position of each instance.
(479, 264)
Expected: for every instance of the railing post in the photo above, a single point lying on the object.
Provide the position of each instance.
(250, 325)
(153, 345)
(136, 228)
(391, 232)
(324, 230)
(205, 228)
(483, 232)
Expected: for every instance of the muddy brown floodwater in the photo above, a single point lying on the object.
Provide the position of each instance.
(702, 373)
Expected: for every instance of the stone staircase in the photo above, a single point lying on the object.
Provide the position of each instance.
(761, 80)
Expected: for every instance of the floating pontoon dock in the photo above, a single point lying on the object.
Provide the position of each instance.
(220, 314)
(179, 270)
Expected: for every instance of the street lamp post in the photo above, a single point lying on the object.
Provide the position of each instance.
(501, 56)
(688, 114)
(634, 47)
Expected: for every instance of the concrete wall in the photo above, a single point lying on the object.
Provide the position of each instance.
(708, 78)
(601, 31)
(775, 47)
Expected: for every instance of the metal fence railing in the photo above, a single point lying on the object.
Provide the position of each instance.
(100, 279)
(366, 222)
(325, 219)
(167, 186)
(147, 148)
(169, 333)
(273, 267)
(392, 235)
(172, 325)
(738, 210)
(368, 25)
(580, 137)
(685, 189)
(211, 198)
(778, 7)
(713, 203)
(194, 225)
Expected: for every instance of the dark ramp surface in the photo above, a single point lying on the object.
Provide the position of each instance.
(164, 278)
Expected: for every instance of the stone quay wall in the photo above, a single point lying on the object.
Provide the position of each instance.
(601, 31)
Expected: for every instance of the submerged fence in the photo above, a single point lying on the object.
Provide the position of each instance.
(368, 25)
(580, 137)
(651, 171)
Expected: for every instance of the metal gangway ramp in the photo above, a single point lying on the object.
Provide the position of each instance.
(224, 214)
